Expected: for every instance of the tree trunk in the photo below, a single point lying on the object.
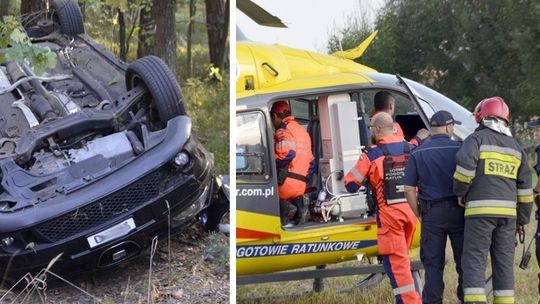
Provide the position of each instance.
(30, 6)
(217, 23)
(4, 8)
(163, 12)
(122, 35)
(191, 28)
(146, 28)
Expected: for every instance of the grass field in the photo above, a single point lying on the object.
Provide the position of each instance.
(342, 290)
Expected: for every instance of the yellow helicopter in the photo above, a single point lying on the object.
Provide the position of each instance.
(332, 97)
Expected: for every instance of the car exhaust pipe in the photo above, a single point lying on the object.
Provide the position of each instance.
(118, 253)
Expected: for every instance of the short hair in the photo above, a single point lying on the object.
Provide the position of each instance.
(382, 100)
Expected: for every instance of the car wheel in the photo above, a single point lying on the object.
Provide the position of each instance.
(68, 15)
(161, 84)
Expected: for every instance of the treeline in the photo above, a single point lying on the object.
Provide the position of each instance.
(466, 49)
(135, 28)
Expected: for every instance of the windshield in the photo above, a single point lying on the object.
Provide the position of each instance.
(431, 101)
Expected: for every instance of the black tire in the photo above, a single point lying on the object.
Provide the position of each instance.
(161, 84)
(68, 15)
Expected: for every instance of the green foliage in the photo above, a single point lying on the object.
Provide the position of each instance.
(467, 50)
(16, 46)
(121, 5)
(208, 107)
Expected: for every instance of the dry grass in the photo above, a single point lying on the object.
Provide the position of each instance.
(526, 285)
(191, 268)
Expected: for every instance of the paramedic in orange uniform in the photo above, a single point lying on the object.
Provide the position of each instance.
(293, 158)
(384, 167)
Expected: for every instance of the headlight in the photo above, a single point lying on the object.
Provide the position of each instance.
(181, 159)
(7, 241)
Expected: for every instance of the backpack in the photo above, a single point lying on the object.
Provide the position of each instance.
(393, 173)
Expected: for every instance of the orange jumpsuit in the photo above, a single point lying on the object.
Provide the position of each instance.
(293, 151)
(396, 223)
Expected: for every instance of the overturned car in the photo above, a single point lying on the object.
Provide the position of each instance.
(96, 156)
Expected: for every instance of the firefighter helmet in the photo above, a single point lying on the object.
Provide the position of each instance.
(492, 107)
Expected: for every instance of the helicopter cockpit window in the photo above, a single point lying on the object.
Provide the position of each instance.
(405, 113)
(251, 145)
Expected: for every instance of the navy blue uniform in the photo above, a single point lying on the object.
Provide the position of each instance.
(431, 168)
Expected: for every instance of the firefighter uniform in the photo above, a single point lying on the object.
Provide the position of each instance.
(491, 175)
(396, 221)
(293, 157)
(431, 168)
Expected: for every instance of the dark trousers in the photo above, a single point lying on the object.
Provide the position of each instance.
(496, 236)
(440, 220)
(296, 207)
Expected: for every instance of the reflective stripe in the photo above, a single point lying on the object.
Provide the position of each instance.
(395, 201)
(474, 298)
(525, 191)
(504, 293)
(359, 177)
(466, 172)
(474, 291)
(490, 203)
(491, 211)
(503, 150)
(404, 289)
(286, 143)
(525, 195)
(462, 178)
(502, 157)
(525, 199)
(504, 300)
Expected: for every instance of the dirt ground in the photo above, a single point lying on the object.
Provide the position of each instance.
(196, 271)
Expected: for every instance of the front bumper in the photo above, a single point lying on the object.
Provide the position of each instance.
(151, 191)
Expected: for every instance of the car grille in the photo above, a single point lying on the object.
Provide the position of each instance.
(102, 210)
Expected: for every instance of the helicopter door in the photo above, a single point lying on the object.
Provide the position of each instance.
(257, 194)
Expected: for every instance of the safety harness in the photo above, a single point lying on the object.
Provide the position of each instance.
(393, 173)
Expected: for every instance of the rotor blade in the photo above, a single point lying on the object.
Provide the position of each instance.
(258, 14)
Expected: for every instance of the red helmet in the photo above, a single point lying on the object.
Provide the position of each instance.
(492, 106)
(279, 107)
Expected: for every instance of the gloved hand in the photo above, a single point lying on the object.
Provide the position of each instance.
(520, 229)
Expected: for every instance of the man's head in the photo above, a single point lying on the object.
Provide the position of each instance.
(384, 102)
(536, 125)
(280, 109)
(443, 122)
(381, 125)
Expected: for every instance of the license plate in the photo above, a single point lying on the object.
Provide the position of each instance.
(112, 233)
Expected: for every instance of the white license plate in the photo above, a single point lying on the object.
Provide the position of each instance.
(112, 233)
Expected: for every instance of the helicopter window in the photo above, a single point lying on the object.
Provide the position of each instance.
(251, 146)
(405, 113)
(302, 109)
(403, 105)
